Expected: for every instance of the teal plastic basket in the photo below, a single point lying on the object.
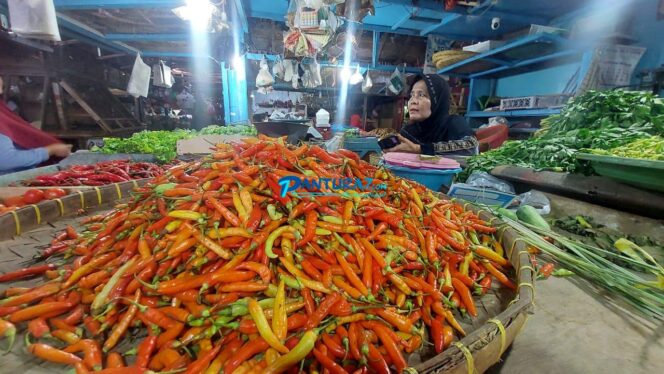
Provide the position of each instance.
(362, 145)
(430, 178)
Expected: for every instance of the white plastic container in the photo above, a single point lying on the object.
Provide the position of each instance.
(322, 118)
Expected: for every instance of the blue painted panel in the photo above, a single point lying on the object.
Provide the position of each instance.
(543, 82)
(110, 4)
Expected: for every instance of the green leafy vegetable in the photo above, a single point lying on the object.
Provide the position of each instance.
(162, 144)
(598, 120)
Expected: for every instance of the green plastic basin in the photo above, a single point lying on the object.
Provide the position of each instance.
(646, 174)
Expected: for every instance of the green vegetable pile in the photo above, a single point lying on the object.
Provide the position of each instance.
(597, 119)
(651, 148)
(162, 144)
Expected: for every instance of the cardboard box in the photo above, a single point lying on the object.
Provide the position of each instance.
(480, 195)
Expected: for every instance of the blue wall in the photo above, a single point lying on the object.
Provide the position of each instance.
(542, 82)
(648, 30)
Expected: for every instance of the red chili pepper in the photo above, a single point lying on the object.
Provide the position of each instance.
(26, 272)
(323, 310)
(328, 363)
(145, 350)
(437, 334)
(248, 350)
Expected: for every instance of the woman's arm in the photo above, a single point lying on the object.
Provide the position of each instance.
(13, 158)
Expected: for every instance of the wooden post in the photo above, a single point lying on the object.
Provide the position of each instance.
(59, 106)
(44, 103)
(364, 113)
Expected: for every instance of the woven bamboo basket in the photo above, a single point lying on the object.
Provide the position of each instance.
(447, 58)
(502, 314)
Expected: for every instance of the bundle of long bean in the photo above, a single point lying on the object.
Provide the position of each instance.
(209, 268)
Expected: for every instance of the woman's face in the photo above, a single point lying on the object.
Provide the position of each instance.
(419, 104)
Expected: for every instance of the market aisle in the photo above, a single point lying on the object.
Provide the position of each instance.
(574, 330)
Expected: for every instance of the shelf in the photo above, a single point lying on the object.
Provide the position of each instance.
(517, 57)
(515, 113)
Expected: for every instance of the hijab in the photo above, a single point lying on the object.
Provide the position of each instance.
(440, 126)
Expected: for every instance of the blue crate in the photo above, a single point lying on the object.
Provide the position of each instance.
(430, 178)
(362, 145)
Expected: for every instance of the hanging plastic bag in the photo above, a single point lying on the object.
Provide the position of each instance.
(278, 69)
(264, 80)
(396, 82)
(315, 73)
(296, 75)
(367, 84)
(288, 70)
(161, 75)
(139, 81)
(357, 77)
(34, 19)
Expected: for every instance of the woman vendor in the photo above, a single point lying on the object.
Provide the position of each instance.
(23, 146)
(432, 130)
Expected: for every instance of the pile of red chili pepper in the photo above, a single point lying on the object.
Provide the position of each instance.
(99, 174)
(209, 270)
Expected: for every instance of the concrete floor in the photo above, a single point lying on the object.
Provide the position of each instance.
(576, 329)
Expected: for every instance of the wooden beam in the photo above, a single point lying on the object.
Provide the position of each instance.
(59, 106)
(88, 109)
(46, 89)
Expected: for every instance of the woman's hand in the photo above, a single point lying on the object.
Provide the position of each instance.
(405, 146)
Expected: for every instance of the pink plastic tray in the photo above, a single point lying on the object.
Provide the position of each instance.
(412, 160)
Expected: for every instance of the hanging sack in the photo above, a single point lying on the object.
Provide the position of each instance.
(278, 69)
(161, 75)
(34, 19)
(288, 70)
(396, 84)
(139, 81)
(367, 84)
(296, 74)
(264, 80)
(315, 73)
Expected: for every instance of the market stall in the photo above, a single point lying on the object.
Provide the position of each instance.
(331, 186)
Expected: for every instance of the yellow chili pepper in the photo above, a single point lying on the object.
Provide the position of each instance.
(229, 231)
(498, 248)
(185, 214)
(173, 225)
(306, 282)
(448, 276)
(463, 268)
(269, 243)
(241, 211)
(247, 203)
(279, 319)
(323, 232)
(486, 252)
(287, 248)
(333, 219)
(416, 198)
(299, 352)
(263, 327)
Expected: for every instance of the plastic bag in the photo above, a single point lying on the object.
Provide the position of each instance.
(315, 73)
(139, 81)
(296, 74)
(367, 84)
(278, 69)
(264, 80)
(161, 75)
(288, 70)
(396, 84)
(537, 200)
(34, 19)
(357, 77)
(485, 180)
